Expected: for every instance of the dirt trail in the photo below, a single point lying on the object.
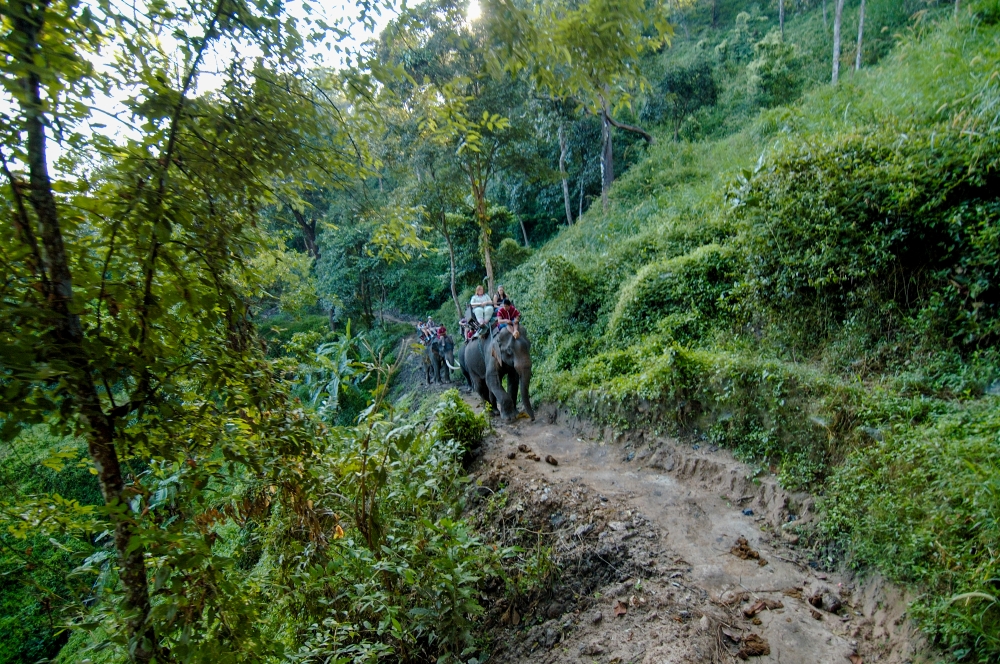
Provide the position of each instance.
(643, 529)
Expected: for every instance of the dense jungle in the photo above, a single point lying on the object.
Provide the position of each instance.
(764, 234)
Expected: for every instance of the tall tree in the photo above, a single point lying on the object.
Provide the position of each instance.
(861, 35)
(781, 17)
(588, 52)
(837, 16)
(562, 174)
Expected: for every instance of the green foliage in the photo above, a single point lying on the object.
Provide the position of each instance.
(773, 76)
(510, 254)
(923, 504)
(690, 286)
(456, 421)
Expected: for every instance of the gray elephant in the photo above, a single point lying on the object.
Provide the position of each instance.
(494, 358)
(439, 359)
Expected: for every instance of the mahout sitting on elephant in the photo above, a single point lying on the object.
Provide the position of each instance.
(497, 356)
(439, 358)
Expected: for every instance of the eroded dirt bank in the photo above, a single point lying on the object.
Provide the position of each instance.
(643, 532)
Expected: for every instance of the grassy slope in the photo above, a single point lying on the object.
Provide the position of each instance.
(905, 448)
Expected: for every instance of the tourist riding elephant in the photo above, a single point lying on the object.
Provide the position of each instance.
(494, 358)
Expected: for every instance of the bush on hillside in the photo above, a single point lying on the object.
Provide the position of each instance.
(924, 505)
(896, 226)
(509, 255)
(774, 76)
(689, 285)
(456, 421)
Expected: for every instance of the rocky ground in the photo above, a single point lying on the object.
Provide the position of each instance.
(667, 552)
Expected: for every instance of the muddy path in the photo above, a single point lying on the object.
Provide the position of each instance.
(669, 552)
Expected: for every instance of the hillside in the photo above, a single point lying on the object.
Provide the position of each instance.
(818, 292)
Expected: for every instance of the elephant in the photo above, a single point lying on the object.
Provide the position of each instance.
(439, 359)
(494, 358)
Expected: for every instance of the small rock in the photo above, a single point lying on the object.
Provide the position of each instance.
(512, 455)
(617, 526)
(597, 617)
(583, 530)
(592, 649)
(703, 624)
(523, 448)
(551, 637)
(551, 460)
(555, 610)
(534, 457)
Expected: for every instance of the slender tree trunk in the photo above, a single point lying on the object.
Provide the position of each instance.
(781, 17)
(861, 35)
(825, 22)
(524, 231)
(837, 15)
(27, 20)
(451, 260)
(479, 194)
(579, 212)
(607, 159)
(565, 181)
(308, 228)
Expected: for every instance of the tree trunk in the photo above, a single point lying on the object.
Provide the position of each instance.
(524, 231)
(451, 260)
(565, 182)
(715, 12)
(837, 15)
(479, 195)
(579, 212)
(861, 34)
(27, 21)
(607, 159)
(781, 17)
(825, 22)
(308, 228)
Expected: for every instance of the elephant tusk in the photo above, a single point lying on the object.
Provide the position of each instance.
(451, 367)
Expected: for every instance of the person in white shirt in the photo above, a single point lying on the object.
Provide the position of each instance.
(482, 306)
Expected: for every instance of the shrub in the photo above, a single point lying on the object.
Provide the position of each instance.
(456, 421)
(509, 255)
(773, 77)
(923, 504)
(690, 284)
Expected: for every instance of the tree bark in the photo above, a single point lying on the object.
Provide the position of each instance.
(607, 159)
(861, 35)
(308, 228)
(837, 15)
(451, 260)
(67, 334)
(562, 173)
(781, 17)
(649, 138)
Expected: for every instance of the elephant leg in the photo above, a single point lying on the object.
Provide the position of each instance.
(524, 374)
(507, 409)
(512, 385)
